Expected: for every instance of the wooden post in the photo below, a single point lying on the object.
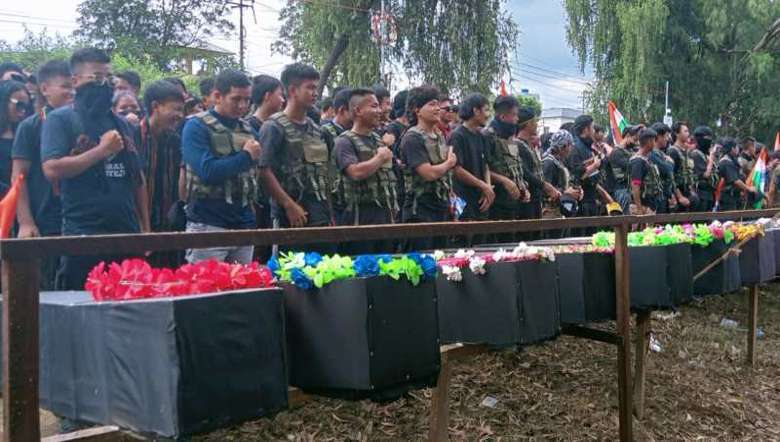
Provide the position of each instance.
(752, 324)
(642, 342)
(623, 314)
(20, 351)
(440, 403)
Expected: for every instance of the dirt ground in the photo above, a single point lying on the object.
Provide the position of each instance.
(698, 387)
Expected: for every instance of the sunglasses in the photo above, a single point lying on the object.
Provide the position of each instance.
(18, 77)
(100, 79)
(21, 106)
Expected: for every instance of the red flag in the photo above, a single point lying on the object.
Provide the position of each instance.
(8, 207)
(504, 93)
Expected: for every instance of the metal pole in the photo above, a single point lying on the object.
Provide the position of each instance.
(241, 35)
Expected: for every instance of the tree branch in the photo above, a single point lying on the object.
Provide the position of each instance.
(341, 45)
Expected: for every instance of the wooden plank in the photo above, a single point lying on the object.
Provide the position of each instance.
(752, 324)
(20, 351)
(592, 333)
(623, 315)
(108, 433)
(642, 343)
(440, 403)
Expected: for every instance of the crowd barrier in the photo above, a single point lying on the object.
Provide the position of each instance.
(20, 328)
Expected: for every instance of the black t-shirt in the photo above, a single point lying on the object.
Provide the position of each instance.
(102, 198)
(44, 204)
(414, 154)
(274, 141)
(618, 160)
(554, 173)
(729, 171)
(576, 162)
(639, 168)
(346, 152)
(470, 148)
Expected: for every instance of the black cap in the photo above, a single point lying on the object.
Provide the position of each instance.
(525, 114)
(702, 131)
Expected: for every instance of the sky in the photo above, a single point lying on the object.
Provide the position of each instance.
(543, 62)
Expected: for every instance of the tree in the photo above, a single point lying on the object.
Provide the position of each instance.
(720, 58)
(151, 28)
(530, 101)
(33, 49)
(459, 46)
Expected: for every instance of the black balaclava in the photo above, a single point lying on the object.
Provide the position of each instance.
(703, 136)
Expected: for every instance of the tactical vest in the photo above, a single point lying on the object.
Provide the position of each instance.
(332, 129)
(380, 188)
(564, 177)
(729, 190)
(414, 185)
(536, 162)
(506, 160)
(651, 184)
(702, 182)
(620, 173)
(305, 166)
(684, 177)
(224, 142)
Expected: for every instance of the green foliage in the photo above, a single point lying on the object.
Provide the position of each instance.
(34, 49)
(459, 46)
(153, 29)
(527, 100)
(702, 47)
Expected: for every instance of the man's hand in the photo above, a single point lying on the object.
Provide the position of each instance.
(513, 190)
(525, 194)
(388, 139)
(253, 148)
(28, 231)
(487, 198)
(685, 202)
(574, 192)
(132, 119)
(384, 153)
(111, 142)
(452, 159)
(296, 215)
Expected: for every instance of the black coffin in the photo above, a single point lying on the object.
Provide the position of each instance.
(757, 260)
(599, 282)
(723, 278)
(571, 285)
(679, 273)
(648, 272)
(170, 367)
(539, 301)
(775, 235)
(363, 337)
(481, 309)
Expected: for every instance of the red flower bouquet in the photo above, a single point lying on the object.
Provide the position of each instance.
(136, 279)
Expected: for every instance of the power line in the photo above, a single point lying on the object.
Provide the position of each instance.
(553, 73)
(11, 14)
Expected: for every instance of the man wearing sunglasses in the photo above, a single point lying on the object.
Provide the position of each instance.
(91, 153)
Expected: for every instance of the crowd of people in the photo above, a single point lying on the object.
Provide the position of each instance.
(262, 152)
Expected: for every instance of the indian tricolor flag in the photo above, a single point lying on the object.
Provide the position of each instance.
(617, 123)
(757, 177)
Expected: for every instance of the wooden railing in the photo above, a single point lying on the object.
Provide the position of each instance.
(20, 279)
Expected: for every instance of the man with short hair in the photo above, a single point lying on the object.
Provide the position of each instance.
(618, 161)
(644, 175)
(705, 169)
(447, 116)
(684, 179)
(38, 209)
(294, 166)
(472, 176)
(672, 197)
(206, 88)
(91, 154)
(128, 81)
(585, 166)
(385, 105)
(341, 120)
(366, 164)
(221, 154)
(731, 196)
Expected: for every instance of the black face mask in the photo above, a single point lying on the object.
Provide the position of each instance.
(504, 130)
(94, 99)
(704, 144)
(630, 146)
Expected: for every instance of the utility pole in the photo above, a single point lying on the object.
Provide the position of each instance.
(241, 5)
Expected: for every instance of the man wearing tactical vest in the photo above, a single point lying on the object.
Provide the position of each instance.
(294, 166)
(366, 164)
(221, 155)
(531, 160)
(618, 160)
(503, 159)
(645, 178)
(705, 169)
(733, 180)
(342, 121)
(684, 179)
(557, 174)
(398, 128)
(428, 164)
(671, 197)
